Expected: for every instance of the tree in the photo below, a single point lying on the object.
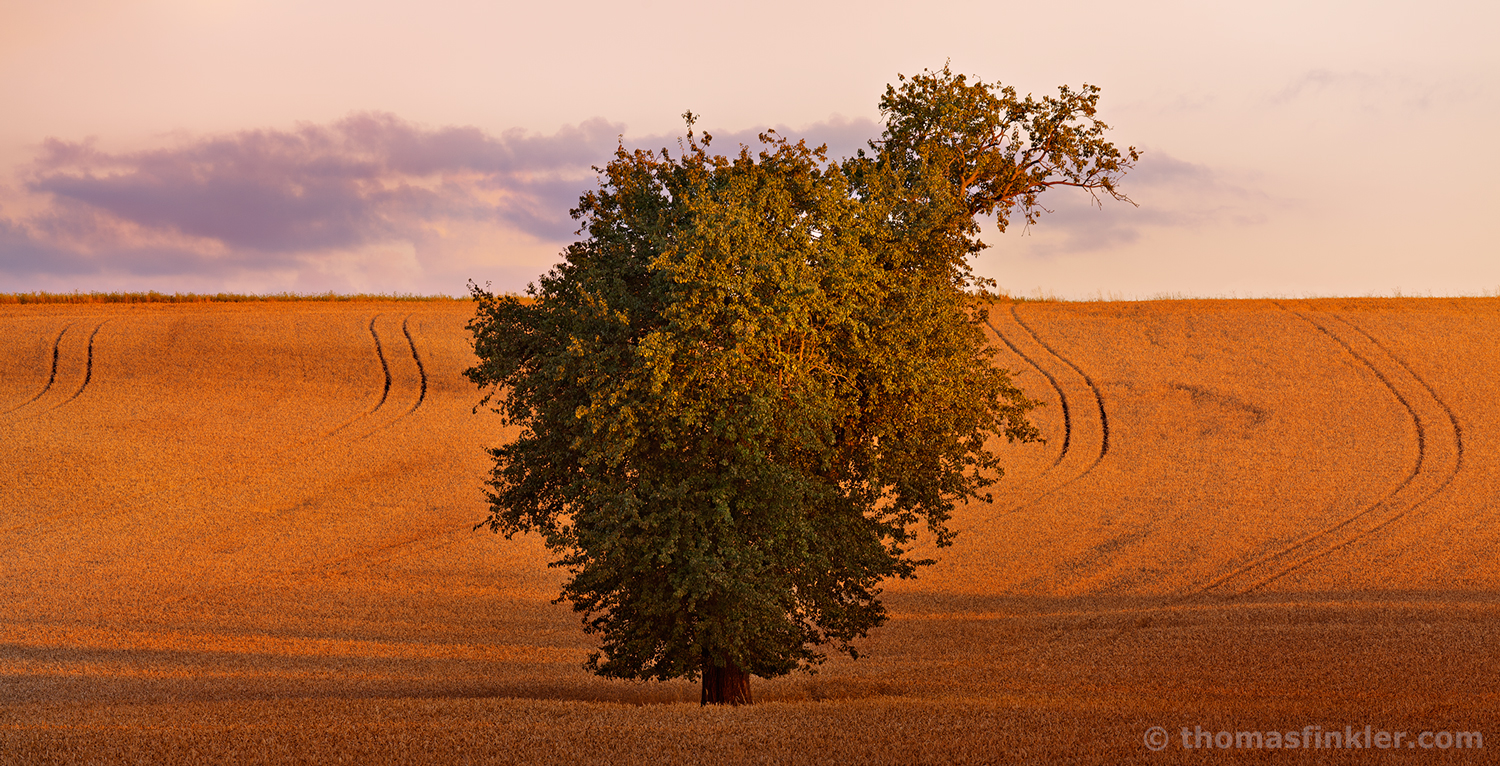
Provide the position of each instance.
(747, 389)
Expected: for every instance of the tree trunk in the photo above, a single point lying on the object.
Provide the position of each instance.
(724, 685)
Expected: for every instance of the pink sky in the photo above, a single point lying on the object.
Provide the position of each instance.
(1291, 149)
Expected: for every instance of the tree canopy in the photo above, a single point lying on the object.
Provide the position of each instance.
(757, 380)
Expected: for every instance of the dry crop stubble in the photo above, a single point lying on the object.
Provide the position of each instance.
(1444, 363)
(30, 369)
(64, 372)
(1211, 418)
(250, 538)
(1439, 457)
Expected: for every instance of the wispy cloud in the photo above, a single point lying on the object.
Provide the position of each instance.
(1170, 194)
(1381, 92)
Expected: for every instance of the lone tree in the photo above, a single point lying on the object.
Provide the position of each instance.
(745, 391)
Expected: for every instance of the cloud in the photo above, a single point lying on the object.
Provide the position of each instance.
(298, 205)
(1170, 194)
(258, 202)
(1380, 93)
(367, 177)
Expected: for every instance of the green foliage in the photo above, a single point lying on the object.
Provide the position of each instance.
(994, 150)
(744, 394)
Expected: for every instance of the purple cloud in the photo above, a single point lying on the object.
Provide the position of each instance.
(365, 178)
(262, 201)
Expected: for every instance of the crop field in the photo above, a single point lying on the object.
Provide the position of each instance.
(243, 532)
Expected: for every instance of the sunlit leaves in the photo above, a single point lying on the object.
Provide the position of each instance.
(759, 378)
(999, 151)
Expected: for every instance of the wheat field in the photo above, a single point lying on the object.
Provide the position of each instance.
(244, 533)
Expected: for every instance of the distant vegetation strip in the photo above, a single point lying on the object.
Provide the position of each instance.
(156, 297)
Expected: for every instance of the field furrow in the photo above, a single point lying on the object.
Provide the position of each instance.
(88, 364)
(1439, 459)
(205, 508)
(1070, 385)
(1421, 482)
(385, 369)
(227, 482)
(70, 371)
(51, 372)
(1062, 398)
(415, 357)
(1094, 389)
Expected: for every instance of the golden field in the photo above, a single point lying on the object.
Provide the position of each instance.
(244, 533)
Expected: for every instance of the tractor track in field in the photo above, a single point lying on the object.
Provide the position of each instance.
(1325, 542)
(54, 386)
(384, 367)
(343, 564)
(1071, 446)
(421, 371)
(88, 370)
(1334, 537)
(51, 377)
(1098, 396)
(1424, 446)
(1068, 410)
(1256, 570)
(1458, 431)
(290, 457)
(385, 391)
(1061, 397)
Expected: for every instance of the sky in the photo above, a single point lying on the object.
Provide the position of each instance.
(1290, 149)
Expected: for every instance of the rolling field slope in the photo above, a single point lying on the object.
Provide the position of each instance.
(245, 532)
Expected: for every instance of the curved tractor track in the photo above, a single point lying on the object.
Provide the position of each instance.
(51, 375)
(397, 386)
(378, 417)
(385, 368)
(72, 360)
(407, 383)
(88, 370)
(1062, 398)
(403, 381)
(415, 357)
(1098, 396)
(1071, 434)
(1438, 461)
